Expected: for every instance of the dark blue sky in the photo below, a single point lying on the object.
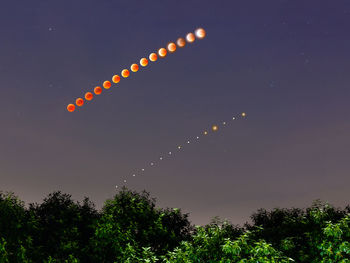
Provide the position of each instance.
(285, 63)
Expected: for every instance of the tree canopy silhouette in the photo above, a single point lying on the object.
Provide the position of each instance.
(130, 228)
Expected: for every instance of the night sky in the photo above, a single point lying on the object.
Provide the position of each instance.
(285, 63)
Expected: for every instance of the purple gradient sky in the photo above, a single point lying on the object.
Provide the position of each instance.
(286, 63)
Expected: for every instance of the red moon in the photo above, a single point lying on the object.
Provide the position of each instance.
(116, 78)
(125, 73)
(98, 90)
(153, 57)
(88, 96)
(134, 67)
(107, 84)
(171, 47)
(190, 37)
(181, 42)
(162, 52)
(79, 102)
(143, 62)
(70, 107)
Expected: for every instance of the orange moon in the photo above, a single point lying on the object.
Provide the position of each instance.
(134, 67)
(98, 90)
(125, 73)
(79, 102)
(143, 62)
(162, 52)
(171, 47)
(70, 107)
(107, 84)
(153, 57)
(200, 33)
(181, 42)
(190, 37)
(88, 96)
(116, 78)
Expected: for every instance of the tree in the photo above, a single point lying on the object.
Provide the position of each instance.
(210, 246)
(62, 228)
(13, 227)
(334, 242)
(131, 219)
(293, 231)
(3, 251)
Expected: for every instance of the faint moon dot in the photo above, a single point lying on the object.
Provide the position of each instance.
(134, 175)
(116, 186)
(169, 152)
(179, 147)
(124, 181)
(243, 114)
(125, 73)
(142, 169)
(188, 141)
(233, 118)
(171, 47)
(224, 123)
(152, 164)
(190, 37)
(200, 33)
(160, 158)
(162, 52)
(181, 42)
(79, 102)
(197, 137)
(153, 57)
(205, 133)
(134, 67)
(116, 78)
(98, 90)
(88, 96)
(71, 107)
(143, 62)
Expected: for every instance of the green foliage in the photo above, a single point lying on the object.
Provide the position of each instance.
(130, 220)
(131, 229)
(13, 227)
(61, 228)
(70, 259)
(333, 244)
(210, 246)
(295, 231)
(3, 251)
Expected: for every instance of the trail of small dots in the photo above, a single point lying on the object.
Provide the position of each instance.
(125, 73)
(214, 128)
